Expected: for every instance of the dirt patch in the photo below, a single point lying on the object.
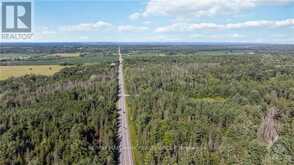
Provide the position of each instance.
(268, 130)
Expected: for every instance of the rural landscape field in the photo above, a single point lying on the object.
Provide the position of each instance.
(191, 104)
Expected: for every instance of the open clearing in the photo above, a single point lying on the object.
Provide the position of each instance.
(17, 71)
(64, 55)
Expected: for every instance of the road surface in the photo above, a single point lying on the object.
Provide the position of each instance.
(125, 144)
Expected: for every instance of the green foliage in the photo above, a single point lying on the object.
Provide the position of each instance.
(207, 109)
(69, 118)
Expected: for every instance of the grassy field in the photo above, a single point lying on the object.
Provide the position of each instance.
(16, 71)
(64, 55)
(95, 59)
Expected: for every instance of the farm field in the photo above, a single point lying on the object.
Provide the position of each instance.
(60, 55)
(17, 71)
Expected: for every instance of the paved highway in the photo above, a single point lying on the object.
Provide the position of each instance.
(125, 144)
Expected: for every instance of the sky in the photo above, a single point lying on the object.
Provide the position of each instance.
(255, 21)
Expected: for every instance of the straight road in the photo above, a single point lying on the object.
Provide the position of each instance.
(125, 144)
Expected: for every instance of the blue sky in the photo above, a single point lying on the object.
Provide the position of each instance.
(270, 21)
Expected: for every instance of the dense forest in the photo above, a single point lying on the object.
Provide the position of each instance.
(175, 49)
(187, 104)
(212, 109)
(69, 118)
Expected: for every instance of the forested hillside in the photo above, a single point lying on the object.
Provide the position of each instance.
(212, 109)
(69, 118)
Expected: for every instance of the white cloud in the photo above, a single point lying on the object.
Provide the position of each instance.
(147, 22)
(100, 25)
(217, 36)
(134, 16)
(130, 28)
(236, 35)
(43, 33)
(44, 30)
(186, 27)
(84, 37)
(180, 8)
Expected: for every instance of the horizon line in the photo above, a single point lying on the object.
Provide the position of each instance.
(148, 42)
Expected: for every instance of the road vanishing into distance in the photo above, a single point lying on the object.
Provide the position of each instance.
(125, 144)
